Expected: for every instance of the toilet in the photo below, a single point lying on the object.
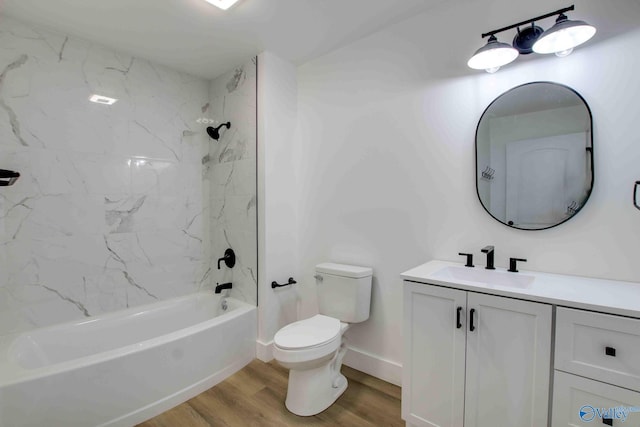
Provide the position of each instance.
(312, 349)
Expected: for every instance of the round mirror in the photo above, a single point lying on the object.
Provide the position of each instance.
(534, 156)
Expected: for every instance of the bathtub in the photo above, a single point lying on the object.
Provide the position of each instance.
(126, 367)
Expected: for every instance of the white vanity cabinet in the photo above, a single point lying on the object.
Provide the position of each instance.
(496, 371)
(474, 360)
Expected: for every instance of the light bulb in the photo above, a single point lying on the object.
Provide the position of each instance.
(564, 53)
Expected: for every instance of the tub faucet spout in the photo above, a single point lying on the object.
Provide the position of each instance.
(220, 288)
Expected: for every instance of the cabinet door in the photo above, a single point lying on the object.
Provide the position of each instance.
(508, 362)
(434, 352)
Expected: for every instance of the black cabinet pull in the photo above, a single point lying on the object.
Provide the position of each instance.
(610, 351)
(471, 326)
(607, 421)
(458, 322)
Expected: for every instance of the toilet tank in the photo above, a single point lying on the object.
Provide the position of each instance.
(344, 291)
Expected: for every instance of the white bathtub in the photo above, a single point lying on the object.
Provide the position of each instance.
(123, 368)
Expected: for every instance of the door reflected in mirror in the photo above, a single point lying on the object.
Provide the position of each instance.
(534, 156)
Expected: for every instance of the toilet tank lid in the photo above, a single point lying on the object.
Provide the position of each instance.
(344, 270)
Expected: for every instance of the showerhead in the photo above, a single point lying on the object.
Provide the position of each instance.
(214, 133)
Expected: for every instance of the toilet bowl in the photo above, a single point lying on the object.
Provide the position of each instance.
(312, 349)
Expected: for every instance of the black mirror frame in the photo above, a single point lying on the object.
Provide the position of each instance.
(589, 149)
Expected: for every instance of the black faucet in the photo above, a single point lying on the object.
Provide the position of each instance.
(220, 288)
(513, 264)
(229, 258)
(469, 259)
(489, 251)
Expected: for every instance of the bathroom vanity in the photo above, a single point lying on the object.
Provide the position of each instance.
(494, 348)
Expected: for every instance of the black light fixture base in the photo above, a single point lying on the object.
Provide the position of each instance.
(525, 39)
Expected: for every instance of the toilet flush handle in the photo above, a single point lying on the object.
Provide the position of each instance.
(319, 278)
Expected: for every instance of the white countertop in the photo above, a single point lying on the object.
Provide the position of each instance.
(607, 296)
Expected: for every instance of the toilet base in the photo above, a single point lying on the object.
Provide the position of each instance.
(314, 390)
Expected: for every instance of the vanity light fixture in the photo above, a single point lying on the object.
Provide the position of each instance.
(101, 99)
(222, 4)
(560, 39)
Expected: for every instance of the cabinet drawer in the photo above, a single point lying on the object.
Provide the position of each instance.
(599, 346)
(580, 401)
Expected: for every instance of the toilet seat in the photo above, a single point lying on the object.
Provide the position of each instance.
(310, 339)
(307, 333)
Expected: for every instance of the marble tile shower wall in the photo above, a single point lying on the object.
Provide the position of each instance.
(231, 169)
(111, 210)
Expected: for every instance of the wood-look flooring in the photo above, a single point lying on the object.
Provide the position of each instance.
(255, 396)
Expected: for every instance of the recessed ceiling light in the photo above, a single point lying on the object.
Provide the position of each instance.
(222, 4)
(99, 99)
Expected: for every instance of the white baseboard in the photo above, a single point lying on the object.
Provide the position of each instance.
(264, 351)
(374, 365)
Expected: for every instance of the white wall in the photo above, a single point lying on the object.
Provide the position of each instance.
(277, 249)
(385, 155)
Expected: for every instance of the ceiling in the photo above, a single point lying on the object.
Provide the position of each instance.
(198, 38)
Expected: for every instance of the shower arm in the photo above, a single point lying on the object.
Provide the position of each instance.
(227, 125)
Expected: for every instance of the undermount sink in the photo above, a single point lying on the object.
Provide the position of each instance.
(482, 276)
